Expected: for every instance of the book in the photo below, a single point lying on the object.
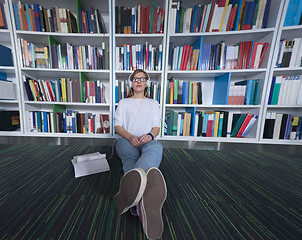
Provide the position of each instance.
(9, 120)
(269, 124)
(7, 90)
(237, 122)
(221, 89)
(6, 56)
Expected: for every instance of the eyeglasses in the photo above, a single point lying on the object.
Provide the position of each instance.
(139, 79)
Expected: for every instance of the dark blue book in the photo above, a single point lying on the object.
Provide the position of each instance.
(192, 111)
(6, 56)
(37, 17)
(266, 13)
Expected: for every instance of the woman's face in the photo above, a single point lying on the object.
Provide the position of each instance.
(138, 84)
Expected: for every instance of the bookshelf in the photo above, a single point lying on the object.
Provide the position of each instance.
(11, 72)
(217, 82)
(209, 76)
(282, 115)
(141, 39)
(78, 69)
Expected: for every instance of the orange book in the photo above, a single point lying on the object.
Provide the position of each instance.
(22, 17)
(84, 29)
(1, 18)
(196, 58)
(171, 92)
(32, 19)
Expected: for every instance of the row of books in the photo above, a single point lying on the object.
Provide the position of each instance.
(244, 55)
(3, 23)
(139, 56)
(68, 121)
(246, 92)
(286, 90)
(242, 124)
(282, 126)
(9, 120)
(34, 17)
(184, 92)
(64, 90)
(139, 19)
(293, 13)
(194, 123)
(122, 90)
(207, 123)
(64, 56)
(219, 15)
(290, 53)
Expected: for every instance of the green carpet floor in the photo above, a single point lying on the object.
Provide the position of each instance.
(211, 195)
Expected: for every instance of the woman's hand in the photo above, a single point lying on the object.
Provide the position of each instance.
(134, 140)
(144, 139)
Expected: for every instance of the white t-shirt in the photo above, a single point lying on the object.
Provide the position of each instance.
(137, 116)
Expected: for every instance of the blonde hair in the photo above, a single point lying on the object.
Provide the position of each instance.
(131, 92)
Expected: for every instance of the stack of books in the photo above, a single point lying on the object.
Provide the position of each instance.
(196, 124)
(286, 90)
(139, 19)
(139, 56)
(122, 90)
(219, 15)
(294, 13)
(34, 17)
(68, 121)
(184, 92)
(64, 90)
(199, 56)
(282, 126)
(246, 92)
(88, 164)
(290, 53)
(64, 56)
(242, 124)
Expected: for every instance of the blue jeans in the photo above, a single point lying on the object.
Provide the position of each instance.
(145, 156)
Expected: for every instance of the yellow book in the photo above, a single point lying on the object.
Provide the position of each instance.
(33, 89)
(81, 59)
(194, 93)
(171, 92)
(46, 57)
(63, 85)
(187, 123)
(223, 14)
(216, 124)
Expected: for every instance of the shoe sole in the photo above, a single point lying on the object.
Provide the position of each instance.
(151, 204)
(131, 191)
